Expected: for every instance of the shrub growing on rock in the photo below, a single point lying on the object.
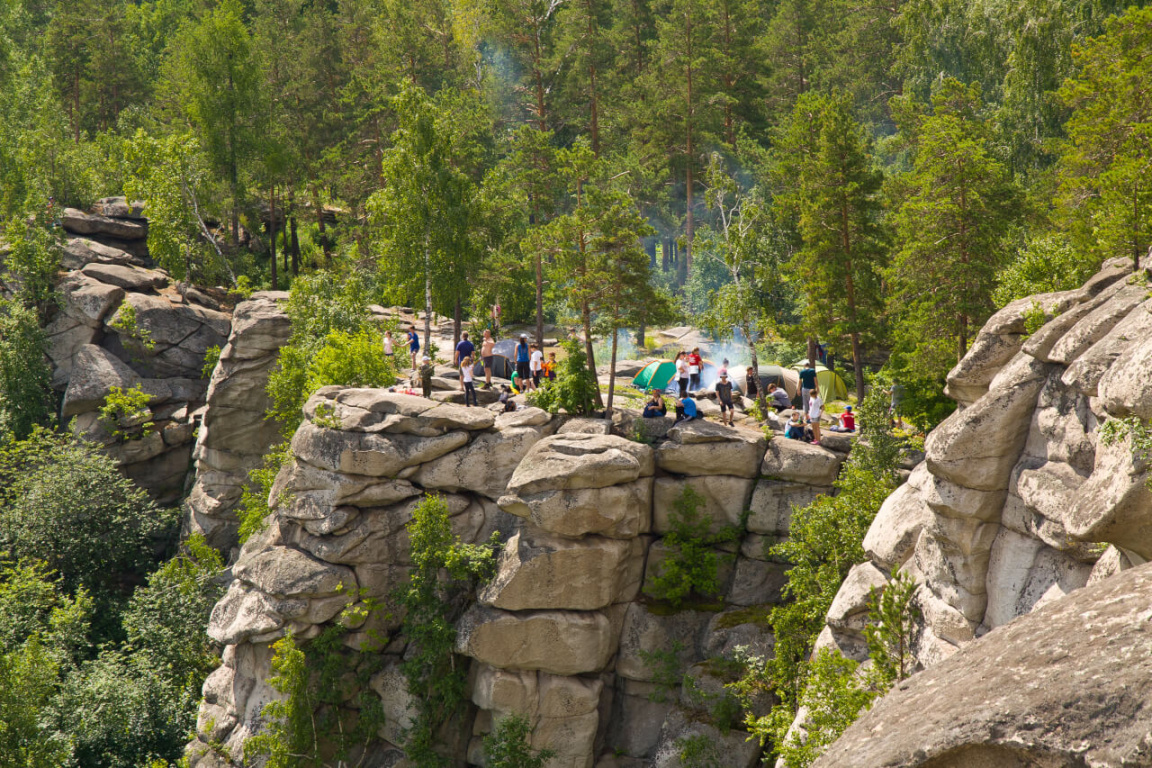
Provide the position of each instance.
(692, 564)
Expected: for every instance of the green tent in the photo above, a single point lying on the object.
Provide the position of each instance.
(832, 387)
(655, 375)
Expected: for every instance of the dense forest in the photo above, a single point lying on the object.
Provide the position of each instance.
(881, 176)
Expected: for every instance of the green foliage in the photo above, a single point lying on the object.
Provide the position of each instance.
(27, 683)
(31, 263)
(692, 564)
(32, 605)
(211, 358)
(665, 667)
(1048, 263)
(328, 712)
(64, 502)
(254, 499)
(125, 414)
(356, 360)
(891, 616)
(444, 573)
(25, 376)
(126, 323)
(699, 751)
(824, 543)
(575, 389)
(508, 745)
(1034, 318)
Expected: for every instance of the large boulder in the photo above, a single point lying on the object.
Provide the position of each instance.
(81, 223)
(773, 502)
(125, 276)
(725, 499)
(558, 642)
(375, 455)
(80, 251)
(539, 572)
(800, 462)
(95, 371)
(574, 461)
(618, 511)
(1058, 687)
(483, 466)
(700, 447)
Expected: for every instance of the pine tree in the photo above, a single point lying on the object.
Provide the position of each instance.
(834, 195)
(958, 203)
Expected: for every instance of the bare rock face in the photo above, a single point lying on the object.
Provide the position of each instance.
(1061, 686)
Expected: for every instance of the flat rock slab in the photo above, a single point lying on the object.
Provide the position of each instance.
(81, 223)
(1066, 685)
(127, 277)
(80, 251)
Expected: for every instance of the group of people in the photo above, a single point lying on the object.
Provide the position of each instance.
(531, 367)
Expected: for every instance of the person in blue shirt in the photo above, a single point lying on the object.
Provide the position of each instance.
(464, 349)
(413, 344)
(685, 409)
(523, 355)
(807, 383)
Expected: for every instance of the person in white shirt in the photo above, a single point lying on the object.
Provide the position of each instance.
(815, 411)
(682, 374)
(466, 383)
(537, 366)
(388, 351)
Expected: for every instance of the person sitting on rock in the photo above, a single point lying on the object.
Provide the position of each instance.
(655, 408)
(685, 409)
(506, 399)
(778, 398)
(795, 429)
(847, 421)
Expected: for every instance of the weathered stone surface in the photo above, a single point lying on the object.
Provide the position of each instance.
(773, 501)
(705, 448)
(1084, 374)
(127, 277)
(86, 299)
(725, 497)
(618, 511)
(526, 417)
(79, 251)
(1113, 561)
(1093, 326)
(978, 446)
(732, 749)
(81, 223)
(894, 532)
(1091, 657)
(558, 642)
(95, 371)
(118, 207)
(484, 465)
(375, 455)
(539, 572)
(1112, 505)
(647, 632)
(572, 461)
(757, 582)
(285, 572)
(581, 426)
(1123, 388)
(400, 707)
(800, 462)
(849, 608)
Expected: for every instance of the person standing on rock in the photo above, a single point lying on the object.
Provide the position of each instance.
(807, 383)
(523, 355)
(537, 364)
(724, 395)
(815, 411)
(464, 349)
(413, 344)
(751, 383)
(466, 383)
(487, 356)
(682, 373)
(695, 365)
(427, 371)
(389, 351)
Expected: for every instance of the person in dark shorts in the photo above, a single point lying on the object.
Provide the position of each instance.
(487, 356)
(751, 383)
(807, 383)
(523, 356)
(724, 395)
(464, 349)
(413, 344)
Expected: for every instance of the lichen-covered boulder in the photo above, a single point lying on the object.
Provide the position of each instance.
(617, 511)
(558, 642)
(799, 462)
(705, 448)
(575, 461)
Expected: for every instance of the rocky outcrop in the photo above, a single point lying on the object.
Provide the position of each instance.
(563, 633)
(1063, 686)
(236, 434)
(121, 324)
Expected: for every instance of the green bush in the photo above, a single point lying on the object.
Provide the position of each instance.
(692, 564)
(125, 414)
(1046, 264)
(508, 745)
(575, 389)
(64, 502)
(25, 376)
(211, 358)
(126, 323)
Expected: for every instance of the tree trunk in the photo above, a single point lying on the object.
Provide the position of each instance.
(539, 299)
(427, 293)
(761, 398)
(612, 374)
(813, 354)
(324, 246)
(456, 323)
(272, 233)
(689, 151)
(295, 246)
(665, 255)
(586, 316)
(640, 338)
(858, 366)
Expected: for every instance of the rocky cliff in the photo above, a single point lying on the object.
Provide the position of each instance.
(562, 633)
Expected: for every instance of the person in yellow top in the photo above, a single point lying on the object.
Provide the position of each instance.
(550, 367)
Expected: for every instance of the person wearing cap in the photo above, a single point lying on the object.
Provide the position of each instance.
(724, 395)
(847, 421)
(523, 356)
(427, 371)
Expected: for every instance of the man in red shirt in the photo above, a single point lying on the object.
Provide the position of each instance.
(847, 421)
(695, 366)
